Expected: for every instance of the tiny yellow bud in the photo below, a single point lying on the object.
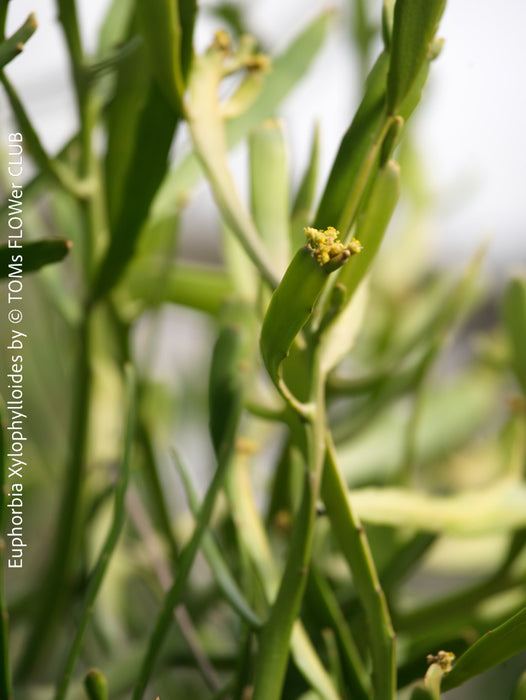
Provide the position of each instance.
(355, 246)
(259, 62)
(222, 40)
(444, 659)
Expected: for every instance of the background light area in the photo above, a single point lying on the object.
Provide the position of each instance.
(469, 128)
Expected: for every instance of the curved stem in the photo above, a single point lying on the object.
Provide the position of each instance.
(275, 639)
(354, 546)
(144, 527)
(110, 543)
(58, 171)
(51, 601)
(185, 564)
(56, 579)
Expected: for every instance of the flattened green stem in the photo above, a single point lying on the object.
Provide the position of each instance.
(67, 15)
(36, 254)
(200, 287)
(514, 317)
(288, 68)
(333, 655)
(351, 537)
(409, 451)
(3, 16)
(146, 532)
(208, 135)
(87, 106)
(112, 60)
(225, 391)
(111, 539)
(58, 171)
(161, 29)
(357, 153)
(496, 646)
(186, 561)
(404, 559)
(254, 540)
(154, 485)
(372, 225)
(292, 303)
(414, 26)
(13, 46)
(272, 658)
(269, 176)
(51, 602)
(215, 559)
(321, 595)
(271, 663)
(363, 176)
(289, 309)
(84, 187)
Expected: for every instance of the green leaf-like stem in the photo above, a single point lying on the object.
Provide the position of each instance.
(493, 648)
(290, 308)
(10, 48)
(35, 255)
(414, 27)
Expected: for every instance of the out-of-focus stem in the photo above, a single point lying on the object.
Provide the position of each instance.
(354, 546)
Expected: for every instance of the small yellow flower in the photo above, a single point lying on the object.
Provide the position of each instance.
(222, 40)
(444, 659)
(330, 252)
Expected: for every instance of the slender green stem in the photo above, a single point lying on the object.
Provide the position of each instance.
(52, 597)
(409, 449)
(404, 559)
(275, 638)
(364, 32)
(39, 182)
(255, 544)
(59, 172)
(144, 435)
(353, 543)
(186, 561)
(13, 46)
(352, 205)
(67, 15)
(327, 609)
(156, 490)
(215, 559)
(6, 689)
(452, 606)
(67, 529)
(209, 138)
(87, 111)
(111, 539)
(146, 532)
(3, 16)
(110, 62)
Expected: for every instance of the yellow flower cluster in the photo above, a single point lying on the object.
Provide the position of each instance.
(326, 247)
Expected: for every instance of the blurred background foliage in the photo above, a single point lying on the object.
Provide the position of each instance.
(426, 404)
